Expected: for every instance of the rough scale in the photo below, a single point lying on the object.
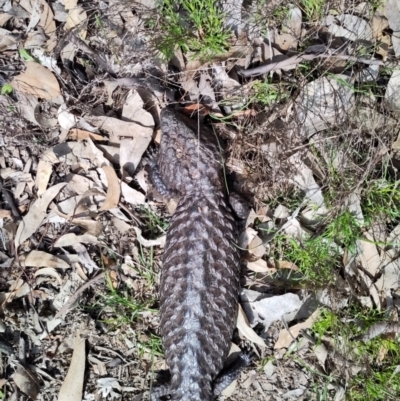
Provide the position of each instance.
(200, 265)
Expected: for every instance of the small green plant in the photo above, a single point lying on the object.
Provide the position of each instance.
(280, 13)
(312, 8)
(146, 268)
(291, 198)
(378, 379)
(125, 307)
(193, 25)
(98, 20)
(316, 258)
(152, 345)
(6, 89)
(25, 55)
(381, 200)
(266, 93)
(345, 230)
(326, 321)
(154, 225)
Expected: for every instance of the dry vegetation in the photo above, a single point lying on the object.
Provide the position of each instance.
(305, 98)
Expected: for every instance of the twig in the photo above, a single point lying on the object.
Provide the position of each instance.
(307, 57)
(10, 200)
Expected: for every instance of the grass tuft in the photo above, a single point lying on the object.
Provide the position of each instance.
(196, 26)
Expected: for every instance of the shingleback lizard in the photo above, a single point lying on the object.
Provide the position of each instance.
(200, 265)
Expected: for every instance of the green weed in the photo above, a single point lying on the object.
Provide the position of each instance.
(196, 26)
(266, 93)
(345, 230)
(98, 20)
(25, 55)
(312, 8)
(292, 199)
(123, 304)
(378, 386)
(152, 345)
(316, 258)
(281, 13)
(154, 225)
(379, 357)
(381, 200)
(146, 268)
(6, 89)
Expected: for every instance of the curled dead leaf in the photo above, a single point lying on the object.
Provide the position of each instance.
(49, 271)
(44, 170)
(72, 239)
(244, 327)
(285, 264)
(286, 337)
(27, 381)
(38, 81)
(41, 259)
(37, 212)
(260, 266)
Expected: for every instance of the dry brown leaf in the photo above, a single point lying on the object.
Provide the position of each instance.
(78, 183)
(77, 17)
(287, 337)
(93, 227)
(119, 129)
(49, 271)
(72, 239)
(41, 259)
(113, 190)
(77, 134)
(72, 387)
(244, 327)
(260, 266)
(18, 289)
(5, 214)
(46, 19)
(120, 225)
(87, 153)
(50, 156)
(284, 264)
(44, 170)
(256, 248)
(131, 195)
(37, 212)
(4, 17)
(68, 4)
(369, 256)
(113, 278)
(27, 381)
(38, 81)
(321, 352)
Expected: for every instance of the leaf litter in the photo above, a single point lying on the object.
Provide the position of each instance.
(71, 157)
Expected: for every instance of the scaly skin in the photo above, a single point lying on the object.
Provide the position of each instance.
(200, 267)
